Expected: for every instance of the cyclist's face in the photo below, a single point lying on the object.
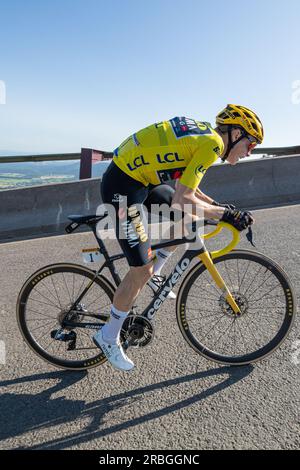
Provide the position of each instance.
(241, 150)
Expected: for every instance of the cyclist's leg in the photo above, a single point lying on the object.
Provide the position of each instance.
(158, 196)
(132, 234)
(134, 240)
(127, 196)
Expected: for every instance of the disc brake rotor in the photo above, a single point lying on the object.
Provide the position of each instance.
(240, 300)
(75, 315)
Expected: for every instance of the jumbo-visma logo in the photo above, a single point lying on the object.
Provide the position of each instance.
(200, 170)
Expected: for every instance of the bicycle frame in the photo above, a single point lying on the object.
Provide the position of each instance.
(198, 250)
(206, 258)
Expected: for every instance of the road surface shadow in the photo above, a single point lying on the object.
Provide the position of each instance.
(22, 413)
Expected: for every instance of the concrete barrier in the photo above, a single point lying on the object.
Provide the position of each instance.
(254, 184)
(43, 210)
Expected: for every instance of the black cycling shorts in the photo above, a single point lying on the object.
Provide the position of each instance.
(131, 224)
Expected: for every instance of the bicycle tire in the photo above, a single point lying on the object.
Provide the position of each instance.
(24, 296)
(265, 350)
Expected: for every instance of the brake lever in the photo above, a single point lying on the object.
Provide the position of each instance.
(249, 235)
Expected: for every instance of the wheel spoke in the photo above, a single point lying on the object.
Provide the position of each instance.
(51, 277)
(44, 297)
(255, 277)
(263, 296)
(203, 298)
(228, 274)
(45, 284)
(223, 333)
(42, 326)
(80, 290)
(215, 324)
(39, 313)
(251, 332)
(39, 327)
(260, 285)
(238, 273)
(202, 313)
(44, 303)
(94, 301)
(71, 301)
(244, 275)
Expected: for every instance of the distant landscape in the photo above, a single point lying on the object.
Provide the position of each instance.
(19, 175)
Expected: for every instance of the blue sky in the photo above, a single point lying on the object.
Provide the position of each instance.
(87, 73)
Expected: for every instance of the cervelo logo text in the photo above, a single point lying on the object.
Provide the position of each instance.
(179, 270)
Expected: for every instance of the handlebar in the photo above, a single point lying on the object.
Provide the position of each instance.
(232, 244)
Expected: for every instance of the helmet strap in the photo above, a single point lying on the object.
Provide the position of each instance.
(231, 144)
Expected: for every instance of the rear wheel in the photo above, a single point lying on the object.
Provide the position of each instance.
(265, 297)
(44, 304)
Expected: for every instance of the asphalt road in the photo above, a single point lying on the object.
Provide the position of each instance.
(174, 399)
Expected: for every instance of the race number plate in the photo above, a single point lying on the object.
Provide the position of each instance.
(91, 255)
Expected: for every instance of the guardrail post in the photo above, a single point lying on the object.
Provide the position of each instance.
(97, 156)
(86, 164)
(101, 156)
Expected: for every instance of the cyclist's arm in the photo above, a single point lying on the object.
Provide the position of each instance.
(187, 191)
(199, 194)
(204, 197)
(185, 196)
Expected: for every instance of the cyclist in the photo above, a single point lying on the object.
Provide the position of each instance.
(181, 149)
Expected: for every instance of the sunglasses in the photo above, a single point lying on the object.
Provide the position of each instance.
(252, 142)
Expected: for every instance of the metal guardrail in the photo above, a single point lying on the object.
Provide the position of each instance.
(277, 151)
(88, 156)
(41, 158)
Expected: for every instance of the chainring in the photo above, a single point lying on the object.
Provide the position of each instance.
(137, 331)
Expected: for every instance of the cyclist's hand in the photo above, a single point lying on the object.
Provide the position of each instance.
(226, 206)
(238, 219)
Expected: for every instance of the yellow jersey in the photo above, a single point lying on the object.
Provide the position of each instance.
(180, 148)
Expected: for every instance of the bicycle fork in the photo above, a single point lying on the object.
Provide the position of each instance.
(208, 263)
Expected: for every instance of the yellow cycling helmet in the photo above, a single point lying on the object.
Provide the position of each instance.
(239, 116)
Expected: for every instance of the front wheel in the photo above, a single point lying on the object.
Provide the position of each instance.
(264, 295)
(49, 325)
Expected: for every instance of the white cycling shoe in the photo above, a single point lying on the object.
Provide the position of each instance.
(156, 282)
(114, 353)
